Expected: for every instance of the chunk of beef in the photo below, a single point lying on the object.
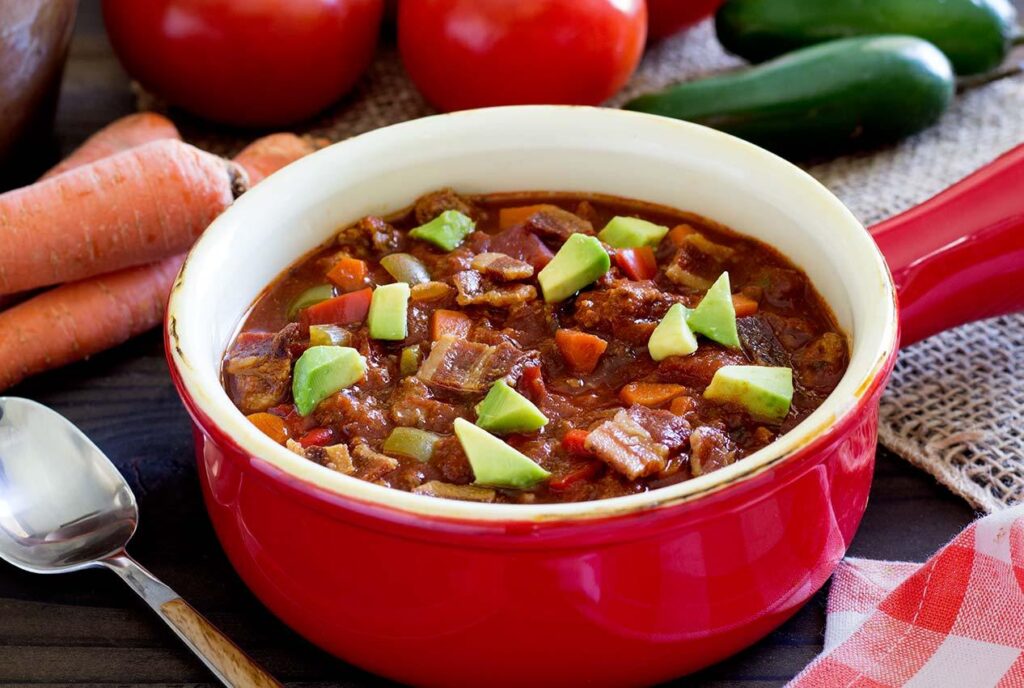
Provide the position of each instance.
(710, 449)
(459, 365)
(529, 324)
(335, 457)
(821, 364)
(665, 427)
(433, 204)
(522, 244)
(697, 369)
(259, 369)
(698, 262)
(501, 267)
(587, 211)
(357, 416)
(450, 459)
(476, 290)
(627, 309)
(792, 333)
(760, 343)
(371, 465)
(412, 405)
(372, 234)
(783, 288)
(557, 225)
(627, 446)
(465, 493)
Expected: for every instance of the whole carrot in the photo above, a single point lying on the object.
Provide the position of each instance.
(136, 207)
(118, 136)
(267, 155)
(77, 320)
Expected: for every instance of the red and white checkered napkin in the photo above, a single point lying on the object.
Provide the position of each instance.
(957, 620)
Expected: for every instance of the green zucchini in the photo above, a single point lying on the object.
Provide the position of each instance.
(820, 100)
(976, 35)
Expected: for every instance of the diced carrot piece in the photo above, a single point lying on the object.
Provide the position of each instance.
(346, 309)
(510, 217)
(638, 263)
(574, 442)
(454, 323)
(679, 233)
(682, 405)
(649, 393)
(743, 305)
(349, 274)
(583, 473)
(317, 437)
(580, 350)
(270, 425)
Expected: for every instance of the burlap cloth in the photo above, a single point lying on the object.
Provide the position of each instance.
(955, 406)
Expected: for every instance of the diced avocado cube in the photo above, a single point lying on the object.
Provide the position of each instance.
(715, 317)
(672, 336)
(412, 442)
(579, 262)
(765, 392)
(505, 410)
(389, 307)
(323, 370)
(494, 463)
(310, 297)
(446, 231)
(632, 232)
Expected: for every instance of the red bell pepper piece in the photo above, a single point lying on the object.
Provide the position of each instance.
(574, 442)
(638, 263)
(347, 309)
(317, 437)
(583, 473)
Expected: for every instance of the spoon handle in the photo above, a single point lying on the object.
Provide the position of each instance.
(225, 659)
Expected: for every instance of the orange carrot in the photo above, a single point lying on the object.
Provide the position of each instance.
(117, 137)
(679, 233)
(743, 305)
(132, 208)
(649, 393)
(80, 319)
(267, 155)
(510, 217)
(444, 322)
(270, 425)
(348, 274)
(580, 350)
(682, 405)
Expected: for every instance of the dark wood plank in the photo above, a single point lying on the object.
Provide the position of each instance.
(86, 628)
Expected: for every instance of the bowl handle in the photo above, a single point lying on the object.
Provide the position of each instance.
(959, 256)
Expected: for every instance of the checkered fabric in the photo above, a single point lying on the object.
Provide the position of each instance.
(957, 620)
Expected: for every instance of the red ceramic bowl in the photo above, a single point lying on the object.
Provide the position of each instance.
(625, 591)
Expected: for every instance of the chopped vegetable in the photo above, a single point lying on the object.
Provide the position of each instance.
(430, 291)
(632, 232)
(638, 263)
(494, 463)
(579, 262)
(649, 393)
(714, 317)
(505, 410)
(766, 392)
(405, 268)
(585, 472)
(575, 441)
(323, 370)
(743, 305)
(310, 297)
(581, 350)
(464, 493)
(672, 336)
(347, 309)
(510, 217)
(389, 309)
(445, 322)
(678, 234)
(349, 274)
(412, 442)
(328, 335)
(682, 405)
(317, 437)
(409, 361)
(270, 425)
(446, 231)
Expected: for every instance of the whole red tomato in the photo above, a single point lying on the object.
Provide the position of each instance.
(246, 62)
(671, 16)
(474, 53)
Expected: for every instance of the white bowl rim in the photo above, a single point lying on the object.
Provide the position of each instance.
(214, 404)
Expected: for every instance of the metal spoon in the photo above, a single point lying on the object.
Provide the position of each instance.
(64, 507)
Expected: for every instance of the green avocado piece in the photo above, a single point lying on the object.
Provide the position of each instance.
(672, 336)
(495, 464)
(323, 370)
(632, 232)
(446, 231)
(389, 308)
(505, 410)
(579, 262)
(715, 317)
(764, 391)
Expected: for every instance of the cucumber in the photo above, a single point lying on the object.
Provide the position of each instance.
(976, 35)
(819, 100)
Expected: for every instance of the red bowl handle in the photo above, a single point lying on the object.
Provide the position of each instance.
(959, 256)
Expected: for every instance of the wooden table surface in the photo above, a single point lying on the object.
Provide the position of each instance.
(87, 628)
